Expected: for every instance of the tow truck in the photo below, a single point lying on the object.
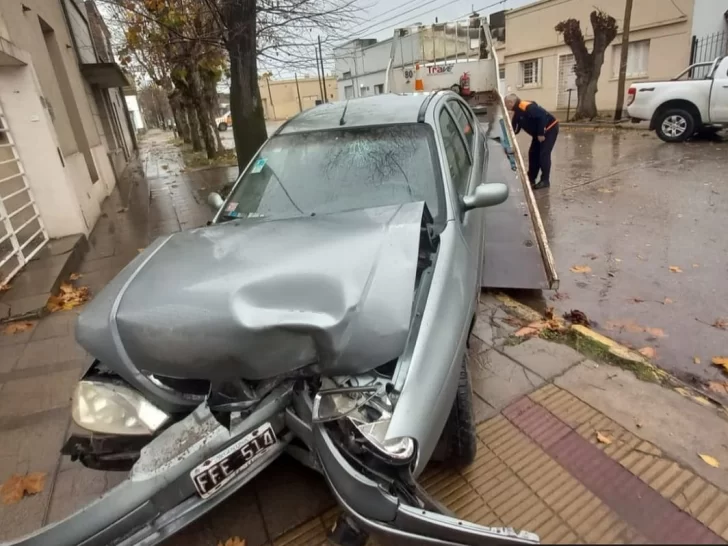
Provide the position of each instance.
(461, 56)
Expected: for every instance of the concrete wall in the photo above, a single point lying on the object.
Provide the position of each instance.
(280, 99)
(40, 32)
(709, 17)
(530, 35)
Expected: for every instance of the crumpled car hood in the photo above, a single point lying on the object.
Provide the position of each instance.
(254, 299)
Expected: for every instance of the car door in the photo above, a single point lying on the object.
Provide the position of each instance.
(719, 94)
(465, 132)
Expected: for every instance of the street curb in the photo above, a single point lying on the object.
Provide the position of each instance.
(611, 126)
(623, 354)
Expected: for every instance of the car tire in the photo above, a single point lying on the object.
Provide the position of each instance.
(222, 126)
(675, 125)
(458, 444)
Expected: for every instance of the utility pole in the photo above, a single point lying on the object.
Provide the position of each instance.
(270, 96)
(318, 73)
(623, 60)
(323, 74)
(298, 93)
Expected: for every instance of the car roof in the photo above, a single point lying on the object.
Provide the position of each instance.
(385, 109)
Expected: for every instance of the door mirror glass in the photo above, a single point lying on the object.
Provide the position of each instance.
(215, 201)
(486, 195)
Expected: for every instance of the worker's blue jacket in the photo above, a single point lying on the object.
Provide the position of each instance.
(533, 119)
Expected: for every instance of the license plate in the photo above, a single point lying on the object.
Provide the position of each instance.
(212, 475)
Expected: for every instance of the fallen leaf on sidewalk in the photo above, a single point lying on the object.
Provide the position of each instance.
(720, 387)
(232, 541)
(549, 313)
(603, 438)
(532, 329)
(696, 360)
(721, 324)
(4, 287)
(657, 332)
(721, 361)
(577, 317)
(667, 301)
(632, 326)
(75, 276)
(675, 269)
(17, 327)
(18, 486)
(712, 461)
(637, 300)
(68, 298)
(647, 352)
(580, 269)
(559, 296)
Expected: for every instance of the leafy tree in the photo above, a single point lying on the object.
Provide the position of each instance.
(588, 66)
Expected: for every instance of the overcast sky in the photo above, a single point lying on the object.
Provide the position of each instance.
(381, 17)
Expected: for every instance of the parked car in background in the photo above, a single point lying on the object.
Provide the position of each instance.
(324, 313)
(685, 105)
(224, 121)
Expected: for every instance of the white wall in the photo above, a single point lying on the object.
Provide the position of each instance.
(50, 181)
(136, 116)
(708, 17)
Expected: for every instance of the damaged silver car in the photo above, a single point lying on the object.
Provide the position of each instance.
(324, 313)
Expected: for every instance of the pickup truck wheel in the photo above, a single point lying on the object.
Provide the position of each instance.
(675, 125)
(458, 444)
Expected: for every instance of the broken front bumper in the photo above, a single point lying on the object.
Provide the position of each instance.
(378, 512)
(159, 498)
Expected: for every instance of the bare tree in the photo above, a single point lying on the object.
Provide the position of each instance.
(588, 66)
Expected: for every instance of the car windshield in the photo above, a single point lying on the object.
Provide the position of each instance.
(337, 170)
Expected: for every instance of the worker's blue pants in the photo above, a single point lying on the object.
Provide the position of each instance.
(539, 156)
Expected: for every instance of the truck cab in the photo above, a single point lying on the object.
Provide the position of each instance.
(696, 100)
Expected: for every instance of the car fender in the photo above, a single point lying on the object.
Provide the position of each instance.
(429, 389)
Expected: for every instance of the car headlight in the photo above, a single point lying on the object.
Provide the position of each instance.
(108, 408)
(369, 409)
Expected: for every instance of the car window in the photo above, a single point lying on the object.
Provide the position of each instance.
(464, 121)
(336, 170)
(458, 161)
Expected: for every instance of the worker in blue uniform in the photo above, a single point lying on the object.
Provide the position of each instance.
(543, 128)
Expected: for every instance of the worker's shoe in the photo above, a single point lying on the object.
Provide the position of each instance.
(540, 185)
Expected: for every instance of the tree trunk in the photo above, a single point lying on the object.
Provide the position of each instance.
(246, 105)
(201, 110)
(191, 114)
(220, 147)
(586, 107)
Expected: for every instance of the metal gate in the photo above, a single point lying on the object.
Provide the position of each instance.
(22, 232)
(567, 80)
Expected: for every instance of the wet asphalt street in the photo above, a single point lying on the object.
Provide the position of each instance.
(649, 220)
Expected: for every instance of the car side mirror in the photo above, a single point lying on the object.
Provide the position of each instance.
(215, 201)
(486, 195)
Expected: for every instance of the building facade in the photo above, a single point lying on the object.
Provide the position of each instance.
(283, 99)
(538, 66)
(536, 63)
(65, 134)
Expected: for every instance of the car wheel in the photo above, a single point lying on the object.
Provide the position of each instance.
(675, 125)
(458, 444)
(222, 126)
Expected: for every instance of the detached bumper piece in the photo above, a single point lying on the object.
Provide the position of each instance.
(372, 509)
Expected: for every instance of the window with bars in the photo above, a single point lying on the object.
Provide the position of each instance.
(501, 72)
(530, 72)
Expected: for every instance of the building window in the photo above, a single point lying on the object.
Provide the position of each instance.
(638, 55)
(363, 90)
(530, 72)
(379, 89)
(501, 72)
(346, 75)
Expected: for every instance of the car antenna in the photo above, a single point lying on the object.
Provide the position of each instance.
(342, 121)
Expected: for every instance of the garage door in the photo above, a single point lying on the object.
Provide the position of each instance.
(567, 80)
(22, 233)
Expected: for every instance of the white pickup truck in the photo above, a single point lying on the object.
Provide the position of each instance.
(695, 100)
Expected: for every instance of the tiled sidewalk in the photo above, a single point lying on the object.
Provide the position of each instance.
(541, 468)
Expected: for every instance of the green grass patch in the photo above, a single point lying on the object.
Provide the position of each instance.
(199, 160)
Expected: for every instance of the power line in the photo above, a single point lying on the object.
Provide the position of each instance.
(357, 31)
(392, 25)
